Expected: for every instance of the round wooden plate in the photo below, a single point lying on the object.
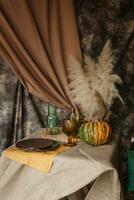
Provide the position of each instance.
(37, 144)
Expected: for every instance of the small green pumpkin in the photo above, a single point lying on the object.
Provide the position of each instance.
(95, 133)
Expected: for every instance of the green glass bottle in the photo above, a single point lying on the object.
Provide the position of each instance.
(52, 119)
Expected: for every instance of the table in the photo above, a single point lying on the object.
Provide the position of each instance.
(71, 171)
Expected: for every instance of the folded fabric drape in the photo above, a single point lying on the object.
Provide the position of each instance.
(39, 160)
(36, 38)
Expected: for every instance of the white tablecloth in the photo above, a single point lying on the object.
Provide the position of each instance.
(71, 170)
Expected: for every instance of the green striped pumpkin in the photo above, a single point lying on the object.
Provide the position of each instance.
(95, 133)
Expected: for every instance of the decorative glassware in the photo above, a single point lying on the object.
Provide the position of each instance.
(69, 127)
(52, 120)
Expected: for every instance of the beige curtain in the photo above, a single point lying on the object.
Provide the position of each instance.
(36, 38)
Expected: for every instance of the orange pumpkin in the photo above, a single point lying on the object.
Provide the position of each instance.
(95, 133)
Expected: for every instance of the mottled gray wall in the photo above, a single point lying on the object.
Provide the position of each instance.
(112, 19)
(20, 112)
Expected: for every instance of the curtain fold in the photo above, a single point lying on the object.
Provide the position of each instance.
(36, 38)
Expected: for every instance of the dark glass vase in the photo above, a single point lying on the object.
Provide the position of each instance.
(69, 127)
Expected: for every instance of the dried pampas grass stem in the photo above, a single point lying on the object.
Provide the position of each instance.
(93, 84)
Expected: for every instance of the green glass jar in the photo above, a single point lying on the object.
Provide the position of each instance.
(52, 120)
